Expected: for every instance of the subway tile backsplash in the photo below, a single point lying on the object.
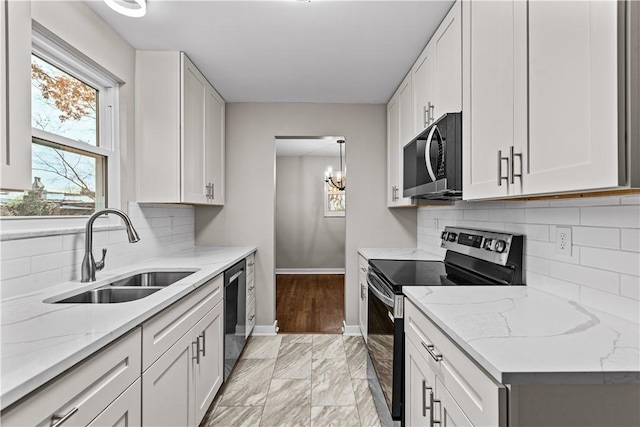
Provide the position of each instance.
(603, 270)
(35, 263)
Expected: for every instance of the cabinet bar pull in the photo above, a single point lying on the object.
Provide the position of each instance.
(425, 116)
(512, 156)
(500, 177)
(252, 316)
(431, 118)
(424, 398)
(251, 287)
(432, 417)
(430, 349)
(204, 343)
(58, 421)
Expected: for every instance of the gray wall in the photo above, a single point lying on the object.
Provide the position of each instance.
(248, 216)
(305, 238)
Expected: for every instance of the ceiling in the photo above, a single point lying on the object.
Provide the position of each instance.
(299, 146)
(320, 51)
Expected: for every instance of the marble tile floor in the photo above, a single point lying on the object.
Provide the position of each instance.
(297, 380)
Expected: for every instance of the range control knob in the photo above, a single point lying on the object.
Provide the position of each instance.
(487, 244)
(452, 237)
(501, 246)
(443, 236)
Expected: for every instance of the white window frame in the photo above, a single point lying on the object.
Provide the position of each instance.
(58, 53)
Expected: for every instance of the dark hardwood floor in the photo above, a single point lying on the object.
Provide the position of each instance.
(308, 303)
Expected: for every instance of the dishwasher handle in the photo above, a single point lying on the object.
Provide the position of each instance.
(235, 276)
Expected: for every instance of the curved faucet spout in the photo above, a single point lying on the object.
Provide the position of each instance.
(89, 266)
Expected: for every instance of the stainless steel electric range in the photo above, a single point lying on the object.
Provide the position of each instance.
(473, 258)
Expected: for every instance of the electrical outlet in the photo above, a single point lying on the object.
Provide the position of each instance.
(564, 242)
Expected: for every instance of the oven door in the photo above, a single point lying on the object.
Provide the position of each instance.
(384, 344)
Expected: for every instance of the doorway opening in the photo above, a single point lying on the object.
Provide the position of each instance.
(310, 233)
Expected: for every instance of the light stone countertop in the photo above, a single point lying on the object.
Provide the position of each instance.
(398, 253)
(521, 335)
(40, 341)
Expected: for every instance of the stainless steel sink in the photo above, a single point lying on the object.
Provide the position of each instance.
(109, 295)
(152, 279)
(130, 288)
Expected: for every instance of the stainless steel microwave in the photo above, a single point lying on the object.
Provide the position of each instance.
(433, 161)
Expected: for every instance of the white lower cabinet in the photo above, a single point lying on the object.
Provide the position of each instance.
(363, 265)
(84, 394)
(179, 386)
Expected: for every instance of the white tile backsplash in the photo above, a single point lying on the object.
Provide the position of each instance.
(35, 263)
(604, 269)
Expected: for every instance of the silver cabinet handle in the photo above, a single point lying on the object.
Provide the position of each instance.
(424, 398)
(197, 351)
(252, 287)
(432, 403)
(512, 156)
(252, 317)
(361, 291)
(430, 349)
(431, 115)
(500, 176)
(204, 343)
(58, 421)
(364, 270)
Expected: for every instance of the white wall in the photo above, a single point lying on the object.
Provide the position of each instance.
(76, 24)
(604, 269)
(305, 238)
(248, 215)
(36, 263)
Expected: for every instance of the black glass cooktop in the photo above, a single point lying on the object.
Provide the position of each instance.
(398, 273)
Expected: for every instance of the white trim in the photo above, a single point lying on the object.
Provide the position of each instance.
(350, 330)
(310, 271)
(265, 330)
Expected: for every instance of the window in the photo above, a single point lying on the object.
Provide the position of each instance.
(334, 201)
(73, 140)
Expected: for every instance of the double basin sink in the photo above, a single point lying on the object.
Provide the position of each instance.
(130, 288)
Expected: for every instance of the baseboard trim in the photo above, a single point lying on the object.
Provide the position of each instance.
(265, 330)
(310, 270)
(350, 330)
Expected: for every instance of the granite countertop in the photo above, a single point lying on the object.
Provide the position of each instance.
(40, 341)
(398, 253)
(521, 335)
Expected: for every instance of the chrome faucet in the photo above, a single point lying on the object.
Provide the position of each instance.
(89, 265)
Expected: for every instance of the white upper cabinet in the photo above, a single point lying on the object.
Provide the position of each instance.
(573, 97)
(399, 133)
(543, 97)
(180, 132)
(15, 101)
(489, 85)
(437, 74)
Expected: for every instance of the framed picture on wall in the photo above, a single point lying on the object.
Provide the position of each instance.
(334, 201)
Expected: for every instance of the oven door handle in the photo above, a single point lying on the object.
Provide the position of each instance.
(385, 299)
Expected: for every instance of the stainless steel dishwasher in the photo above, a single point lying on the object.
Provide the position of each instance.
(235, 302)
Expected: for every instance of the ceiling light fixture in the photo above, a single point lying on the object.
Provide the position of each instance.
(132, 8)
(339, 180)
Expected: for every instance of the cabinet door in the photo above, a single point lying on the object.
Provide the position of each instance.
(194, 97)
(125, 411)
(447, 47)
(208, 368)
(423, 72)
(15, 107)
(493, 82)
(449, 413)
(573, 97)
(214, 145)
(393, 159)
(167, 390)
(419, 386)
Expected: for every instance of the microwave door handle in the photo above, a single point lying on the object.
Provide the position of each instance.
(427, 153)
(385, 299)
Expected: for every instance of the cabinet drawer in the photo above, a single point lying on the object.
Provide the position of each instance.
(164, 329)
(86, 390)
(480, 397)
(251, 317)
(251, 264)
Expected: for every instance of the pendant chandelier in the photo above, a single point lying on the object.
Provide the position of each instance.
(337, 179)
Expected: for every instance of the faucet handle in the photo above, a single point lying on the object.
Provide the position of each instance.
(100, 264)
